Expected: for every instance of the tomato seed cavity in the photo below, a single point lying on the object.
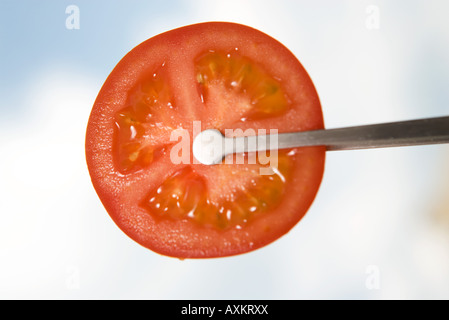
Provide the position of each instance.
(242, 76)
(138, 139)
(184, 196)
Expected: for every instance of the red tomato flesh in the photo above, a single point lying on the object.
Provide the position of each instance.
(228, 76)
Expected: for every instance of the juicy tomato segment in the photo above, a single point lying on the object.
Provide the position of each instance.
(239, 74)
(184, 195)
(140, 127)
(229, 77)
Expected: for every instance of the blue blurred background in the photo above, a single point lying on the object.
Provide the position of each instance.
(378, 229)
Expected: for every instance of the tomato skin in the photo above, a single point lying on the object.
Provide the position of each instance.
(121, 193)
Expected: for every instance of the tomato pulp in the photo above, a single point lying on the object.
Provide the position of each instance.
(223, 76)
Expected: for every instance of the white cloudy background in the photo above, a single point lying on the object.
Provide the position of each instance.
(378, 229)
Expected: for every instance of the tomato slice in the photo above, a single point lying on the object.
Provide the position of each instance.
(221, 76)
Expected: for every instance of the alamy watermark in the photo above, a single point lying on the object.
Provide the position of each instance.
(372, 281)
(72, 280)
(217, 146)
(72, 21)
(372, 21)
